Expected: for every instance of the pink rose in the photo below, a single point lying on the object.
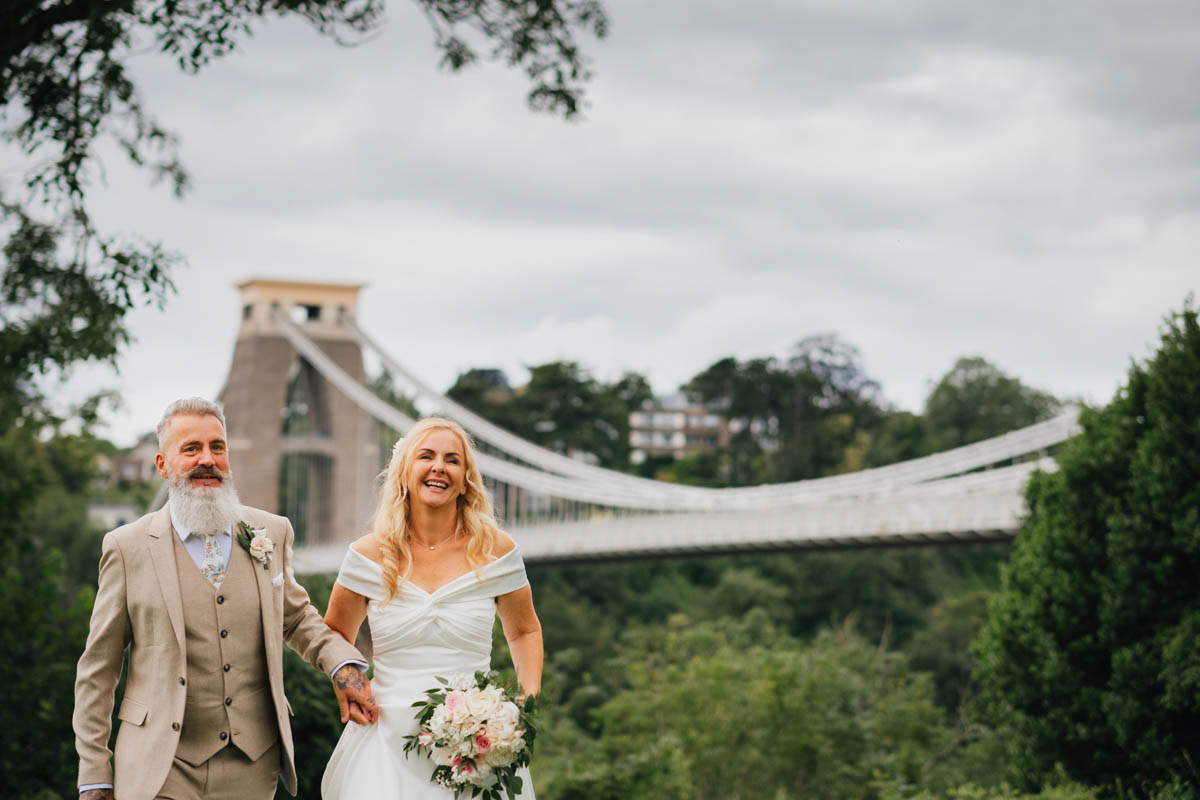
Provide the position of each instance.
(453, 699)
(482, 743)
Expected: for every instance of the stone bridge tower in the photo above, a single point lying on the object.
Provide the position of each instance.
(298, 446)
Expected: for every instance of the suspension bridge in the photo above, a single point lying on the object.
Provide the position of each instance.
(559, 508)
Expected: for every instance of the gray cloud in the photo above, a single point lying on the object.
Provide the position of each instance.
(927, 178)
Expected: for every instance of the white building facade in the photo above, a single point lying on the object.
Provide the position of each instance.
(670, 426)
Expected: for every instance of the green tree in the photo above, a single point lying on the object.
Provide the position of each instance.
(752, 714)
(902, 436)
(814, 416)
(976, 400)
(752, 395)
(55, 316)
(942, 647)
(570, 411)
(43, 626)
(1090, 652)
(562, 408)
(488, 393)
(633, 390)
(44, 612)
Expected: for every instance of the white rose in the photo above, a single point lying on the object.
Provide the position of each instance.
(503, 725)
(442, 756)
(460, 715)
(495, 695)
(439, 723)
(501, 732)
(507, 711)
(482, 775)
(261, 545)
(479, 704)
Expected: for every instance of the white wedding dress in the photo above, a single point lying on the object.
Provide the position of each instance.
(416, 637)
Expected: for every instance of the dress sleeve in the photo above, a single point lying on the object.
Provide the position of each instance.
(505, 574)
(361, 575)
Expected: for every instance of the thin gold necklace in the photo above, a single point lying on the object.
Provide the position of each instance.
(443, 541)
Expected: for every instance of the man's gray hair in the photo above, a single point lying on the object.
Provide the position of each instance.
(192, 406)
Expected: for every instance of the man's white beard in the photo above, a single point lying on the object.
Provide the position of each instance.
(202, 509)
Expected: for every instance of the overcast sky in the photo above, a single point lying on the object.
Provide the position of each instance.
(926, 178)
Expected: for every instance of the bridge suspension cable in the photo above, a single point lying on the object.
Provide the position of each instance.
(1032, 439)
(566, 478)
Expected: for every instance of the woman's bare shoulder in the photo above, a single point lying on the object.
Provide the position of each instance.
(504, 544)
(369, 546)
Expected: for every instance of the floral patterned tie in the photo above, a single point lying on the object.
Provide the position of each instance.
(214, 561)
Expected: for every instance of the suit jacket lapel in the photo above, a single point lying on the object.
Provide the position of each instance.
(162, 556)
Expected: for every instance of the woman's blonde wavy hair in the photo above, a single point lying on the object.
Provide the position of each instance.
(393, 519)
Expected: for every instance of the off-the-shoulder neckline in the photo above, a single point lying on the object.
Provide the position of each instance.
(470, 573)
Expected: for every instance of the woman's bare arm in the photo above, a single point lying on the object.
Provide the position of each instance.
(524, 634)
(346, 612)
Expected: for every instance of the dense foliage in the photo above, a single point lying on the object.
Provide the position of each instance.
(1091, 649)
(974, 400)
(45, 603)
(813, 414)
(562, 407)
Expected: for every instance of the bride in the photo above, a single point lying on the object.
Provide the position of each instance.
(430, 578)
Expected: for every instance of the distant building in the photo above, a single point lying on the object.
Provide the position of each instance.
(670, 426)
(137, 464)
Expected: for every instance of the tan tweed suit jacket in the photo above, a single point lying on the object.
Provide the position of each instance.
(139, 606)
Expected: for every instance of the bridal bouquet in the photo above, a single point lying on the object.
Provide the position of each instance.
(477, 734)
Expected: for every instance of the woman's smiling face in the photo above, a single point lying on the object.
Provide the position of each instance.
(437, 474)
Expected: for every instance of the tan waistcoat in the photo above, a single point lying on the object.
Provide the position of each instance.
(228, 691)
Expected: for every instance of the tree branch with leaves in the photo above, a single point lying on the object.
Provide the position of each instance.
(65, 88)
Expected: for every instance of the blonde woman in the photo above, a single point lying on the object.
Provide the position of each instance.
(431, 578)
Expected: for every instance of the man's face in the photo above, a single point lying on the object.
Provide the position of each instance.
(194, 447)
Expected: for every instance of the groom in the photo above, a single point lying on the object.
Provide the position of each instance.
(203, 613)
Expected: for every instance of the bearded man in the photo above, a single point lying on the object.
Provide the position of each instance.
(202, 595)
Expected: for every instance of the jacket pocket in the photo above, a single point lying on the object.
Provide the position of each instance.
(132, 711)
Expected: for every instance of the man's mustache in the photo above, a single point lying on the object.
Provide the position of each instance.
(207, 472)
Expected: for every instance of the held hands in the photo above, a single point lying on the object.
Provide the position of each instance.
(356, 702)
(96, 794)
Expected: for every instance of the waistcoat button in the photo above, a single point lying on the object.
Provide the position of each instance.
(174, 726)
(228, 701)
(226, 668)
(224, 736)
(224, 634)
(183, 681)
(220, 599)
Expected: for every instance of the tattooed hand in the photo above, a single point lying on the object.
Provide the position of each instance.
(96, 794)
(356, 702)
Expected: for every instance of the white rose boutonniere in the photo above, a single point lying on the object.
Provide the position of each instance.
(256, 543)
